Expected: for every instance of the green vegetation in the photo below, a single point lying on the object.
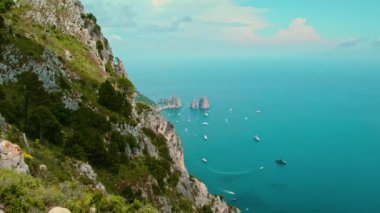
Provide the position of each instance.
(23, 193)
(59, 137)
(5, 5)
(109, 68)
(141, 107)
(114, 100)
(109, 98)
(100, 47)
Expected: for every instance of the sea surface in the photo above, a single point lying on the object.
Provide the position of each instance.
(321, 116)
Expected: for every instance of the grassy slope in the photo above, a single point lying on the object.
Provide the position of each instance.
(136, 174)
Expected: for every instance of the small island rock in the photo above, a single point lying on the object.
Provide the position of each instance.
(194, 104)
(204, 103)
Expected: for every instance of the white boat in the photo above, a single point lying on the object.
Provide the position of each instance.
(257, 138)
(261, 168)
(258, 111)
(204, 160)
(205, 137)
(246, 118)
(206, 114)
(226, 120)
(205, 124)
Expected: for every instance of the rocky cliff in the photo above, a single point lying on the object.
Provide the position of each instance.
(68, 101)
(189, 187)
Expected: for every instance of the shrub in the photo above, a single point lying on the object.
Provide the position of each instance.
(5, 5)
(2, 94)
(141, 107)
(109, 68)
(206, 209)
(99, 46)
(43, 124)
(126, 86)
(109, 98)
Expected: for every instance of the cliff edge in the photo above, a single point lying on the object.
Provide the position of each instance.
(66, 100)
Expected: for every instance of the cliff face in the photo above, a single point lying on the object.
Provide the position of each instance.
(189, 187)
(69, 17)
(61, 87)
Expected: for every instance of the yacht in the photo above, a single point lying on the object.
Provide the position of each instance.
(257, 138)
(205, 124)
(281, 162)
(204, 160)
(205, 137)
(206, 114)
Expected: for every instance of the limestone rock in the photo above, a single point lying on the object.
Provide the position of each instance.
(119, 67)
(204, 103)
(192, 189)
(194, 104)
(68, 55)
(86, 170)
(11, 157)
(59, 210)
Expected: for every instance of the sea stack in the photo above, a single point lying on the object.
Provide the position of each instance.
(174, 102)
(204, 104)
(194, 104)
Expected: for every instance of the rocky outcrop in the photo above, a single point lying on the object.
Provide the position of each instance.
(11, 157)
(172, 103)
(86, 170)
(48, 72)
(69, 17)
(190, 188)
(204, 103)
(119, 67)
(194, 104)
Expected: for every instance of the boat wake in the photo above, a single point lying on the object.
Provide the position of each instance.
(228, 192)
(230, 173)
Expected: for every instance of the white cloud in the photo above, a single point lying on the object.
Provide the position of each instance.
(298, 31)
(115, 37)
(197, 25)
(159, 3)
(210, 20)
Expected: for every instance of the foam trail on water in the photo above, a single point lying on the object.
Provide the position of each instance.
(228, 192)
(230, 173)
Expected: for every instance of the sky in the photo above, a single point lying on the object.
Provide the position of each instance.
(147, 29)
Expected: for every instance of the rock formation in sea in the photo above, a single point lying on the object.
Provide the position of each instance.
(172, 103)
(194, 104)
(204, 103)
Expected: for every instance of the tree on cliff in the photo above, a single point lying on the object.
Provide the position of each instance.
(109, 98)
(44, 124)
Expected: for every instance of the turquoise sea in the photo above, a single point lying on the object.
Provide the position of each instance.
(321, 116)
